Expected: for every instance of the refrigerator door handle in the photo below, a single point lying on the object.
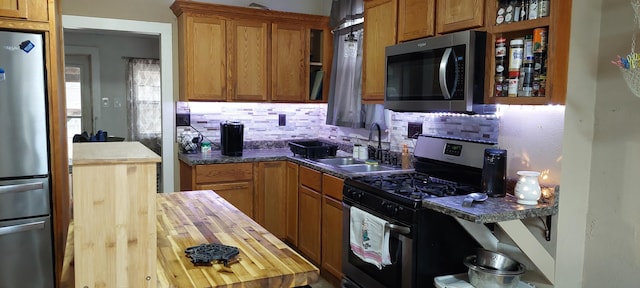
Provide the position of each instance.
(21, 187)
(21, 228)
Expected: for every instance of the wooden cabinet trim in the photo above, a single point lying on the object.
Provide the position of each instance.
(292, 203)
(192, 7)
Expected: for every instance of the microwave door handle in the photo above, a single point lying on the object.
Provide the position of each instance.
(443, 73)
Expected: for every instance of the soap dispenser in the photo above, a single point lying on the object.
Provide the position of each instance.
(406, 160)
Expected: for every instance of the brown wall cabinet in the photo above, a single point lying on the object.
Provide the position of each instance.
(256, 55)
(379, 32)
(203, 62)
(416, 19)
(290, 65)
(248, 62)
(456, 15)
(32, 10)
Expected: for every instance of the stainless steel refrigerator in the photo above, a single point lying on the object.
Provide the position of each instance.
(26, 253)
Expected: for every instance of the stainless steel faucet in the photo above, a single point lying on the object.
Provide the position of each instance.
(379, 134)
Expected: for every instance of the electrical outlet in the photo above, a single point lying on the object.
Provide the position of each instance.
(414, 129)
(282, 119)
(183, 119)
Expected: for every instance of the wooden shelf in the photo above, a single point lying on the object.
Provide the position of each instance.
(558, 33)
(521, 25)
(520, 100)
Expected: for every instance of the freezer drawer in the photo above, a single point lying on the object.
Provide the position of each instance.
(24, 198)
(27, 256)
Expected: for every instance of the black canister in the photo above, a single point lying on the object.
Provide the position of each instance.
(494, 172)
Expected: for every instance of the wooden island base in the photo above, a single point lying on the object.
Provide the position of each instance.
(188, 219)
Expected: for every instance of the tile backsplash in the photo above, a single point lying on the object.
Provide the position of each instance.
(305, 121)
(531, 134)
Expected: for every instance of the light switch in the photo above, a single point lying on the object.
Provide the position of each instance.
(105, 102)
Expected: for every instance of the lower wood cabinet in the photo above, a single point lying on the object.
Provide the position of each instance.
(332, 224)
(332, 236)
(298, 204)
(309, 223)
(232, 181)
(271, 183)
(239, 194)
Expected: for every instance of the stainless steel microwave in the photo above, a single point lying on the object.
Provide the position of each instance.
(437, 74)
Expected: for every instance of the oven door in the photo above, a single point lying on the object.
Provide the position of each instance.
(362, 274)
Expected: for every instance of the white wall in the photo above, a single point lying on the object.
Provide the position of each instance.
(111, 49)
(598, 221)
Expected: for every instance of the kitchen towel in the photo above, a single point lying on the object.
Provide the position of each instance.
(369, 238)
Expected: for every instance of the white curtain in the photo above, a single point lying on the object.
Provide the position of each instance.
(144, 105)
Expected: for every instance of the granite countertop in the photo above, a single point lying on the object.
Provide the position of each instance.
(255, 155)
(490, 211)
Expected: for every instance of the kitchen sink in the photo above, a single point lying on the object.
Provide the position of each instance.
(359, 168)
(340, 161)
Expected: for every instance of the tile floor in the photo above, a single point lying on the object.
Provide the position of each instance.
(323, 283)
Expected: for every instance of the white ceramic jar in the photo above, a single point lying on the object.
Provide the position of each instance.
(527, 189)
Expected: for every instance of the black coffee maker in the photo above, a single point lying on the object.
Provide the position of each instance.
(231, 138)
(494, 172)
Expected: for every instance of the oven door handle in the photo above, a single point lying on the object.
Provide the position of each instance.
(398, 228)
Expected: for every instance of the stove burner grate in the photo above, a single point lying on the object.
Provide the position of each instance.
(203, 254)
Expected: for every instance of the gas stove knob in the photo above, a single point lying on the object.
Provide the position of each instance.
(355, 194)
(390, 207)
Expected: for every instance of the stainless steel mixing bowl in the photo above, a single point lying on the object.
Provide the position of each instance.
(495, 260)
(483, 277)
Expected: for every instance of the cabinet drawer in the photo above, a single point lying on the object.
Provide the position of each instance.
(311, 178)
(332, 186)
(224, 172)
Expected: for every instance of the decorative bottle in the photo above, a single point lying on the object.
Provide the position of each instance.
(406, 161)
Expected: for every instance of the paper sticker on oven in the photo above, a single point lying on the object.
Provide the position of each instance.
(2, 74)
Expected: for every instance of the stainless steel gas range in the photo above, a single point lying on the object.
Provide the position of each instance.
(423, 243)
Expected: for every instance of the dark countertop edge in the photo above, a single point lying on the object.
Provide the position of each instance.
(515, 212)
(509, 210)
(257, 155)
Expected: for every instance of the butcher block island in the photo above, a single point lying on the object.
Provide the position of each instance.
(187, 219)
